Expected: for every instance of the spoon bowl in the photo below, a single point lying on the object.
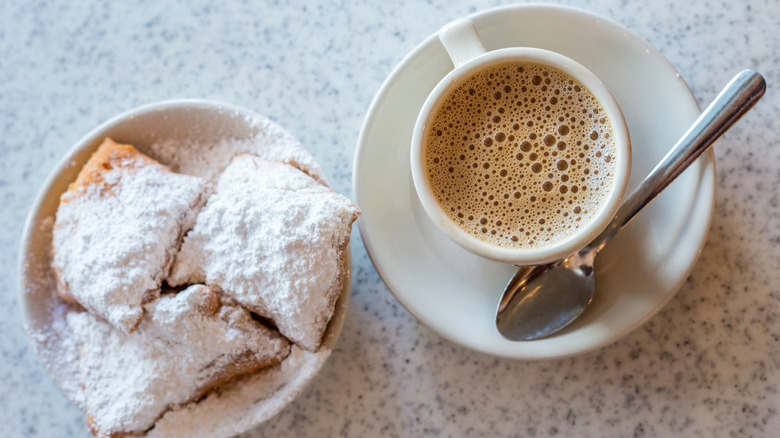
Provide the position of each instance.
(531, 314)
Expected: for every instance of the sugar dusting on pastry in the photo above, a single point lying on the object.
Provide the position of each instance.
(117, 229)
(185, 345)
(209, 159)
(272, 238)
(244, 403)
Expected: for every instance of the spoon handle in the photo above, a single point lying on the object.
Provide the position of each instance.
(733, 102)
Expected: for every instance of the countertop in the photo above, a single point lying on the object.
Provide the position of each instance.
(707, 365)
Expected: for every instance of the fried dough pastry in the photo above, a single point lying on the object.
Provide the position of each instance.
(274, 239)
(117, 229)
(185, 345)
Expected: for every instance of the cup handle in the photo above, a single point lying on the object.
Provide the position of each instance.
(461, 41)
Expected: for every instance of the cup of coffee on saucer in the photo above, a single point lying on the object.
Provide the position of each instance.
(520, 155)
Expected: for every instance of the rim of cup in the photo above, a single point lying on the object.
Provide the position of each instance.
(571, 243)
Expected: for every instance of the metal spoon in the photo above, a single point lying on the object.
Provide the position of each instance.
(540, 300)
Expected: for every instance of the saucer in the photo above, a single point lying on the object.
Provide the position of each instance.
(456, 293)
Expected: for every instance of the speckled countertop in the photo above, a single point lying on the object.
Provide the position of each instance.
(707, 365)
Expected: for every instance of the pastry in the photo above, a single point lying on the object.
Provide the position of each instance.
(274, 239)
(186, 344)
(117, 229)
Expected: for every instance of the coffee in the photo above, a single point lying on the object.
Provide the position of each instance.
(520, 155)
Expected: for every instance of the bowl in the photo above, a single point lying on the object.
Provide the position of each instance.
(237, 408)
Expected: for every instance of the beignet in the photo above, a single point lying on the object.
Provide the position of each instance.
(274, 239)
(185, 345)
(117, 230)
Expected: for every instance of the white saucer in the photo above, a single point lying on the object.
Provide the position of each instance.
(454, 292)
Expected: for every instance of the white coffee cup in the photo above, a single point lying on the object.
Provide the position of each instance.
(468, 55)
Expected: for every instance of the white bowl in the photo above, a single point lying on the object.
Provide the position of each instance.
(185, 119)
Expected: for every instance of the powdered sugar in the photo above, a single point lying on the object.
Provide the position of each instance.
(58, 349)
(184, 346)
(117, 230)
(209, 159)
(45, 317)
(272, 238)
(222, 413)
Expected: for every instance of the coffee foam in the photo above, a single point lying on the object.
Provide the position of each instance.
(521, 155)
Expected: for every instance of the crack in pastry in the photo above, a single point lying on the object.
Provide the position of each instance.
(117, 229)
(274, 239)
(186, 345)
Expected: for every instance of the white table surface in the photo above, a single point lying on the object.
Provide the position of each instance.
(707, 365)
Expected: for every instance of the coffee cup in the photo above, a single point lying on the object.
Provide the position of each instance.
(520, 155)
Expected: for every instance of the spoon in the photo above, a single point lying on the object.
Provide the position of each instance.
(540, 300)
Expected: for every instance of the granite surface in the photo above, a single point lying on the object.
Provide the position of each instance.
(707, 365)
